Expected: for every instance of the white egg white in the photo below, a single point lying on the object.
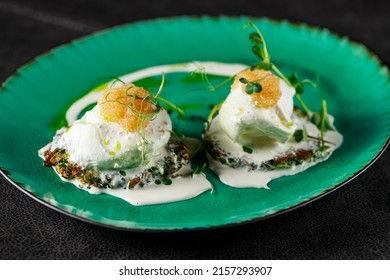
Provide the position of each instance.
(95, 142)
(245, 123)
(242, 132)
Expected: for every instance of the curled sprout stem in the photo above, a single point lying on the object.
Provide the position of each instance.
(304, 106)
(277, 71)
(323, 119)
(143, 117)
(115, 80)
(214, 88)
(214, 111)
(325, 141)
(267, 57)
(160, 87)
(267, 60)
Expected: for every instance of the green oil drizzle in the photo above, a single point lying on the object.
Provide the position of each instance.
(150, 83)
(193, 106)
(86, 109)
(60, 121)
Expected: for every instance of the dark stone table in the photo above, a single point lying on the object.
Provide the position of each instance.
(351, 223)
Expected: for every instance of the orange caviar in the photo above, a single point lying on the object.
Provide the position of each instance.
(270, 93)
(126, 106)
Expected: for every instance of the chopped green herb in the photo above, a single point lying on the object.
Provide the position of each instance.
(247, 149)
(262, 65)
(299, 135)
(123, 173)
(324, 116)
(157, 182)
(117, 146)
(200, 169)
(321, 121)
(251, 87)
(167, 181)
(214, 112)
(179, 136)
(298, 85)
(316, 119)
(243, 80)
(154, 170)
(255, 38)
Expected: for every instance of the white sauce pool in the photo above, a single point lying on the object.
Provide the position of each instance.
(182, 188)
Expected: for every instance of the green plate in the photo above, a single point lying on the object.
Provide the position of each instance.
(33, 101)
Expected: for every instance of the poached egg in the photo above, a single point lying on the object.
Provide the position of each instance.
(246, 123)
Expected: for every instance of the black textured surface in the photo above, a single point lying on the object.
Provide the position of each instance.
(351, 223)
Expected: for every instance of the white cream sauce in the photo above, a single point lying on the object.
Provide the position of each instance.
(242, 178)
(182, 188)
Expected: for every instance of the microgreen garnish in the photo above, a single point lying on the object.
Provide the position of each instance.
(203, 74)
(111, 79)
(299, 135)
(298, 85)
(179, 136)
(262, 65)
(154, 170)
(317, 119)
(295, 83)
(259, 48)
(251, 87)
(214, 112)
(172, 106)
(200, 169)
(319, 139)
(320, 119)
(214, 88)
(323, 121)
(167, 181)
(142, 118)
(247, 149)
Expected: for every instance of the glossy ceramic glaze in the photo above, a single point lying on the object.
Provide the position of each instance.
(33, 102)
